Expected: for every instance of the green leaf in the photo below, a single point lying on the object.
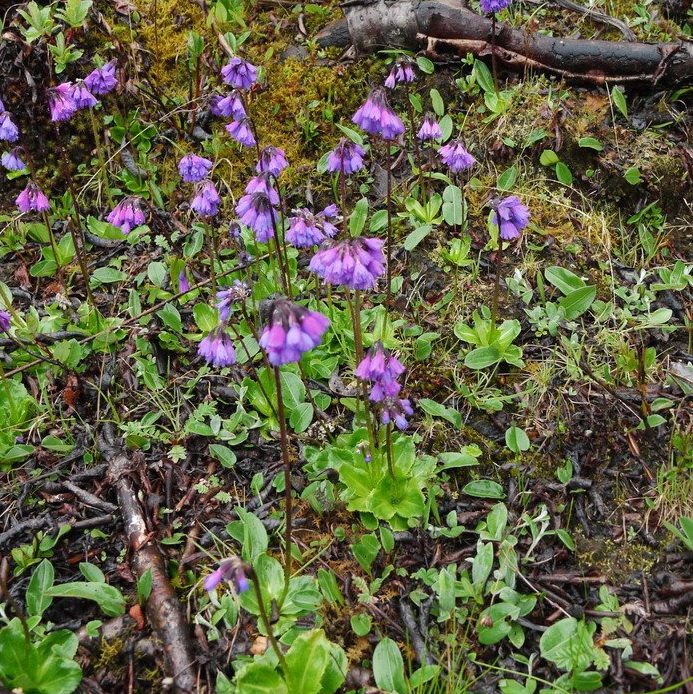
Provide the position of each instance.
(483, 77)
(170, 317)
(484, 489)
(388, 667)
(106, 275)
(446, 127)
(417, 236)
(109, 598)
(437, 103)
(548, 158)
(454, 208)
(144, 586)
(206, 318)
(366, 550)
(250, 533)
(568, 644)
(619, 101)
(590, 143)
(564, 280)
(306, 662)
(357, 220)
(516, 439)
(260, 678)
(482, 357)
(577, 302)
(425, 65)
(223, 454)
(633, 176)
(437, 410)
(37, 600)
(329, 588)
(361, 624)
(157, 273)
(507, 179)
(563, 174)
(301, 417)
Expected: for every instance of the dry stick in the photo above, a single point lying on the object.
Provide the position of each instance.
(147, 312)
(287, 479)
(163, 606)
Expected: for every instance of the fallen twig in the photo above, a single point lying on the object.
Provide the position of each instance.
(163, 607)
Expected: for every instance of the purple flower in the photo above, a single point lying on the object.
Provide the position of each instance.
(272, 159)
(402, 71)
(257, 212)
(234, 230)
(206, 201)
(241, 130)
(380, 367)
(262, 183)
(456, 156)
(493, 5)
(377, 118)
(394, 411)
(355, 263)
(308, 229)
(32, 198)
(347, 157)
(103, 79)
(217, 348)
(239, 73)
(430, 130)
(230, 106)
(61, 103)
(127, 215)
(193, 168)
(511, 217)
(8, 130)
(229, 570)
(81, 96)
(183, 284)
(291, 331)
(4, 321)
(239, 291)
(12, 161)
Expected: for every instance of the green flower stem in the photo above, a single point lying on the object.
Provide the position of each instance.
(288, 499)
(388, 451)
(496, 285)
(103, 171)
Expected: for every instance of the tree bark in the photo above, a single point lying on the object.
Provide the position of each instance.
(446, 28)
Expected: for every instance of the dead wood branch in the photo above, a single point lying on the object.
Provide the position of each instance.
(163, 607)
(447, 29)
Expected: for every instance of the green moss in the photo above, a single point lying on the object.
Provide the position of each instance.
(617, 560)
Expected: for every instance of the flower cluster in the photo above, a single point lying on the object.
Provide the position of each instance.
(4, 321)
(488, 6)
(217, 348)
(127, 214)
(193, 168)
(346, 158)
(32, 198)
(356, 263)
(65, 99)
(8, 130)
(455, 156)
(232, 570)
(291, 331)
(377, 117)
(309, 229)
(402, 71)
(510, 216)
(206, 200)
(241, 75)
(429, 130)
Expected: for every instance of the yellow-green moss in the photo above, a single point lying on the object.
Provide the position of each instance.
(617, 560)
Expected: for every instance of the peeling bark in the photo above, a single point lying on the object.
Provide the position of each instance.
(163, 608)
(446, 28)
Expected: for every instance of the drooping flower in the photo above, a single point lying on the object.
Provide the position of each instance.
(61, 103)
(355, 263)
(382, 369)
(32, 198)
(12, 161)
(229, 570)
(183, 284)
(217, 348)
(8, 130)
(377, 118)
(238, 291)
(230, 106)
(429, 130)
(272, 159)
(241, 130)
(103, 79)
(309, 229)
(511, 217)
(4, 321)
(346, 157)
(81, 96)
(193, 168)
(263, 183)
(257, 212)
(456, 156)
(395, 410)
(127, 215)
(234, 230)
(206, 201)
(291, 331)
(493, 5)
(402, 71)
(239, 73)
